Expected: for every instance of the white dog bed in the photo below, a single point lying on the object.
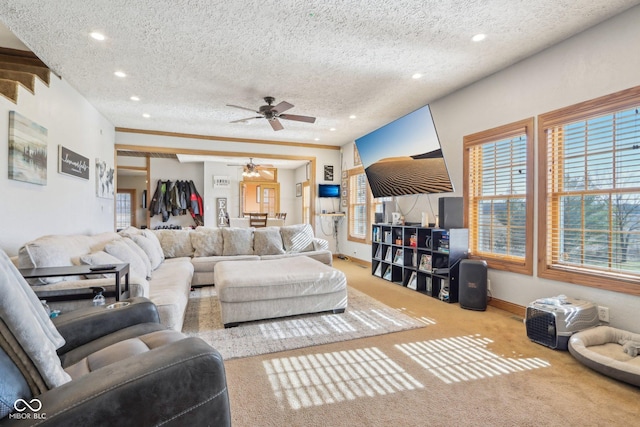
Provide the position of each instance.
(610, 351)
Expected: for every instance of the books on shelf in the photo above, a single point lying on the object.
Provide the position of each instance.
(427, 285)
(387, 237)
(379, 252)
(387, 273)
(414, 259)
(412, 283)
(387, 255)
(425, 263)
(378, 271)
(399, 257)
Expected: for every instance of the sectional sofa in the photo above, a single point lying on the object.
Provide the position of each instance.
(164, 264)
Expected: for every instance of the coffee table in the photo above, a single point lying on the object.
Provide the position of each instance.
(119, 271)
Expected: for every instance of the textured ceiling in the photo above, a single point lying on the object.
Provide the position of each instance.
(186, 59)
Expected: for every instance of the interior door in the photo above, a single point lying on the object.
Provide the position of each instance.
(260, 197)
(269, 198)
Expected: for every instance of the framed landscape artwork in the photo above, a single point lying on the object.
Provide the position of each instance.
(27, 150)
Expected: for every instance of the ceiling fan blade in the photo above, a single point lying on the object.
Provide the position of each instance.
(297, 118)
(242, 108)
(275, 124)
(244, 120)
(282, 107)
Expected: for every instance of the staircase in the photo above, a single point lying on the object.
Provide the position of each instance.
(20, 68)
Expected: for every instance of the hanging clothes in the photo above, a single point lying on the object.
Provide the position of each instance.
(177, 198)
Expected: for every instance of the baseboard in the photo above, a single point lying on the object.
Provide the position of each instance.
(358, 261)
(508, 306)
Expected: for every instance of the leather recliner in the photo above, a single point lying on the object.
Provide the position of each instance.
(111, 367)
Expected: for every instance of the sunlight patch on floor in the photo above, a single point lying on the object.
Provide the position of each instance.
(327, 378)
(325, 324)
(465, 358)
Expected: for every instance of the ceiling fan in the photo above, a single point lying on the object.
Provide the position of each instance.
(274, 112)
(251, 169)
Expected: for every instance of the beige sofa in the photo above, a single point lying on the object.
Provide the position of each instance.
(164, 264)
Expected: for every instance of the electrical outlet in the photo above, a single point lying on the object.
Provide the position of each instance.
(603, 314)
(489, 285)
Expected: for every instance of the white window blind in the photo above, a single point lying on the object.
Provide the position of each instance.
(358, 188)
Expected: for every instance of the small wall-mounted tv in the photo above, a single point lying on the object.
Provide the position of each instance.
(328, 190)
(404, 157)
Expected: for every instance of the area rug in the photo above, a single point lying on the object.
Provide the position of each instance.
(364, 317)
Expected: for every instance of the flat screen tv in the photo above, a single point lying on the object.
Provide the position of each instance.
(404, 157)
(328, 190)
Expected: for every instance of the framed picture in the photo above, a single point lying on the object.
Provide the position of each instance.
(299, 189)
(344, 174)
(71, 163)
(328, 172)
(27, 150)
(344, 202)
(104, 179)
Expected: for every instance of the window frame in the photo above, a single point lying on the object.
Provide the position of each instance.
(608, 104)
(497, 261)
(367, 239)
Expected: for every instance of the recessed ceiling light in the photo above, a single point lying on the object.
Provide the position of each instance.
(146, 115)
(479, 37)
(97, 36)
(316, 139)
(120, 74)
(332, 129)
(416, 76)
(353, 116)
(134, 98)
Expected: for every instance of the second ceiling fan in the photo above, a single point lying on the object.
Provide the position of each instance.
(273, 113)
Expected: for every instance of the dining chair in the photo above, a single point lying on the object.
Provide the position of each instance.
(258, 220)
(282, 216)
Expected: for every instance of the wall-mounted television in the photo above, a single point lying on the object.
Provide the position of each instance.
(328, 190)
(404, 157)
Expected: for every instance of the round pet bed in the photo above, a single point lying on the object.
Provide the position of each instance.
(601, 349)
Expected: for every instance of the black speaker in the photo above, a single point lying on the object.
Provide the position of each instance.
(450, 212)
(379, 217)
(473, 284)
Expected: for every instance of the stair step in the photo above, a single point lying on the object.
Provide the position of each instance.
(9, 89)
(42, 73)
(28, 80)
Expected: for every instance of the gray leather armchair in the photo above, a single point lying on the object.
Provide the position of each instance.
(111, 367)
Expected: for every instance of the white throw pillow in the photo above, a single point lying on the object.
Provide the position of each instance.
(149, 234)
(207, 241)
(151, 249)
(124, 253)
(99, 258)
(237, 241)
(267, 241)
(175, 243)
(142, 254)
(297, 238)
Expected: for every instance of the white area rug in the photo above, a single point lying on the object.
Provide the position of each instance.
(364, 317)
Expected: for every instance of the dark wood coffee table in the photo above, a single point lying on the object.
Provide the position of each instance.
(119, 271)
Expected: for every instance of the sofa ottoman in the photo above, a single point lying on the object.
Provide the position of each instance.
(263, 289)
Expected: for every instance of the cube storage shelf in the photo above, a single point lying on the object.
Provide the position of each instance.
(421, 258)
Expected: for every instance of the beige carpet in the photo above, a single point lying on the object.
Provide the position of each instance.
(467, 368)
(364, 317)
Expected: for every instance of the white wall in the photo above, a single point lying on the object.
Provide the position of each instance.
(66, 204)
(600, 61)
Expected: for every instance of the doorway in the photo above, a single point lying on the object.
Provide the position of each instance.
(260, 196)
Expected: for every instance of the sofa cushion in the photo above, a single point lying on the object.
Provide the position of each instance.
(297, 238)
(151, 248)
(53, 251)
(149, 234)
(175, 243)
(124, 253)
(237, 241)
(207, 241)
(142, 254)
(99, 258)
(267, 241)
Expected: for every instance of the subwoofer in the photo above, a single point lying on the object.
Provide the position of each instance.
(473, 284)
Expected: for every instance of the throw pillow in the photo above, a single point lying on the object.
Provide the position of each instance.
(142, 254)
(237, 241)
(124, 253)
(207, 241)
(175, 243)
(152, 250)
(156, 242)
(267, 241)
(297, 238)
(99, 258)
